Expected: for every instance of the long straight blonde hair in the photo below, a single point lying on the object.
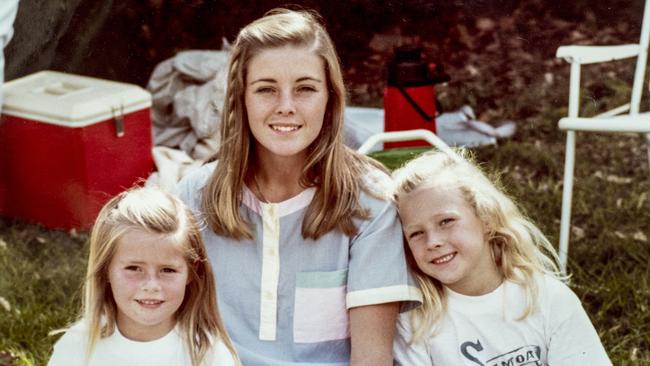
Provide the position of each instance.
(519, 249)
(159, 213)
(331, 167)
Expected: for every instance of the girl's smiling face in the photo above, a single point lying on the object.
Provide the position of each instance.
(286, 97)
(448, 240)
(148, 275)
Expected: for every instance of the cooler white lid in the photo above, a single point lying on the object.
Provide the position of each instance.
(71, 100)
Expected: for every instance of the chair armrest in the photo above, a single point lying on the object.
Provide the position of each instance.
(639, 123)
(592, 54)
(407, 135)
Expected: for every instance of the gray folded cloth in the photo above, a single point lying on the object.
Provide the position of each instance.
(188, 91)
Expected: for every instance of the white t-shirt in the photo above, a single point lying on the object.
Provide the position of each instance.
(116, 349)
(484, 330)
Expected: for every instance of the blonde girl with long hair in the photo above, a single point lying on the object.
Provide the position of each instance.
(491, 287)
(149, 294)
(306, 244)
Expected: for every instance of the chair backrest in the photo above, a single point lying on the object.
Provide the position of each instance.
(639, 73)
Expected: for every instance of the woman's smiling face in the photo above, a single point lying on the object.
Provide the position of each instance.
(286, 97)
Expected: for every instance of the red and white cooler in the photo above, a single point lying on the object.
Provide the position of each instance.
(69, 143)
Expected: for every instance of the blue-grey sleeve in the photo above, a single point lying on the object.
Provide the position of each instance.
(377, 271)
(189, 188)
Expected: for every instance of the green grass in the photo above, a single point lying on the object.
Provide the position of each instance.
(41, 275)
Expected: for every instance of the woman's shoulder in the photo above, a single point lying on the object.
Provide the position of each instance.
(376, 186)
(198, 176)
(375, 195)
(377, 182)
(190, 185)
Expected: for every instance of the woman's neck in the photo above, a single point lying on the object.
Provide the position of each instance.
(276, 179)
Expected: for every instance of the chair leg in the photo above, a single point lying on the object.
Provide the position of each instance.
(647, 137)
(567, 193)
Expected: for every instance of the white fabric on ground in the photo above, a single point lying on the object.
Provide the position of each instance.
(456, 128)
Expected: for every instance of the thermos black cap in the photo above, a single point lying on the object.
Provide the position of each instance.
(407, 68)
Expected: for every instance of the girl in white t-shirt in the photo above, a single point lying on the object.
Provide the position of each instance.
(492, 294)
(149, 294)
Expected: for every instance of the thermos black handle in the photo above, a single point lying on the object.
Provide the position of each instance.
(415, 105)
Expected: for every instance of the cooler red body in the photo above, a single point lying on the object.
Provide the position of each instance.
(401, 115)
(61, 177)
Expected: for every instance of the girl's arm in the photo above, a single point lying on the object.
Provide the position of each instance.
(372, 329)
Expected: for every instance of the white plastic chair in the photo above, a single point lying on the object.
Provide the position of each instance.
(610, 121)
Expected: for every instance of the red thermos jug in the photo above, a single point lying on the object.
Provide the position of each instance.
(409, 97)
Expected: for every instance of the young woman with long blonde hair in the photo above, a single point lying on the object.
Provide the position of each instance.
(306, 244)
